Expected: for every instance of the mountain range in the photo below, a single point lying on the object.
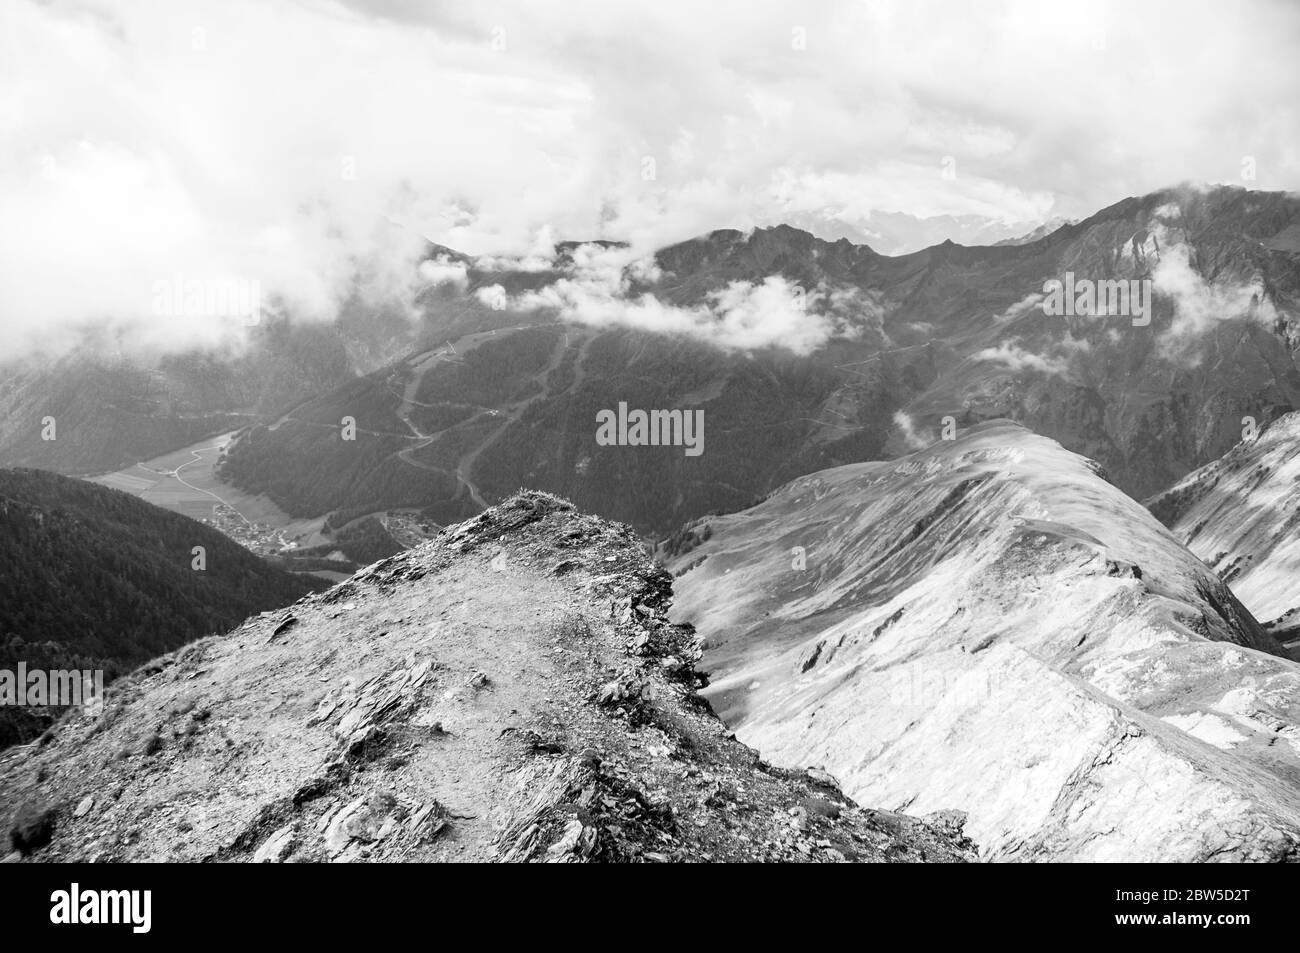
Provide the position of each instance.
(903, 561)
(803, 354)
(899, 233)
(883, 352)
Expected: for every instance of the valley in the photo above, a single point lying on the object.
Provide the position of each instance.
(185, 482)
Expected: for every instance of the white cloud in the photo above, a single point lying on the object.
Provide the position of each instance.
(444, 271)
(914, 440)
(523, 263)
(1199, 304)
(774, 311)
(494, 296)
(1015, 358)
(297, 143)
(742, 315)
(1026, 304)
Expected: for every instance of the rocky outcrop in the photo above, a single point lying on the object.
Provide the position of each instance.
(513, 690)
(989, 625)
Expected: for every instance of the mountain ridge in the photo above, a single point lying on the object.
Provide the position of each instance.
(989, 624)
(511, 691)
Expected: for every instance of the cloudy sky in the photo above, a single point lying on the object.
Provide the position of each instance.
(296, 142)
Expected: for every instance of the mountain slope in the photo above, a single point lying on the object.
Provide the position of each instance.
(520, 409)
(509, 691)
(990, 626)
(1241, 514)
(79, 416)
(872, 354)
(111, 409)
(92, 578)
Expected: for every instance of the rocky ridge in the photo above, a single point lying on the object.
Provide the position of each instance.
(513, 690)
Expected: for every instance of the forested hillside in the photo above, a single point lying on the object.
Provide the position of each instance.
(95, 578)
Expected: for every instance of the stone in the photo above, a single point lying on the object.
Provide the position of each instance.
(820, 807)
(823, 777)
(568, 841)
(337, 834)
(33, 827)
(276, 847)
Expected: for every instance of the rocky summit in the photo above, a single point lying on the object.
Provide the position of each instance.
(989, 625)
(512, 690)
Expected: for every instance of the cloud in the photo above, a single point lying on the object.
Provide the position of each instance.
(494, 296)
(907, 430)
(1200, 304)
(301, 145)
(743, 315)
(1015, 358)
(521, 263)
(1070, 345)
(774, 311)
(1026, 304)
(442, 270)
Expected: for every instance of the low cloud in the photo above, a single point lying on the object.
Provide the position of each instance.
(530, 264)
(444, 271)
(1026, 304)
(1015, 358)
(743, 315)
(1200, 304)
(907, 430)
